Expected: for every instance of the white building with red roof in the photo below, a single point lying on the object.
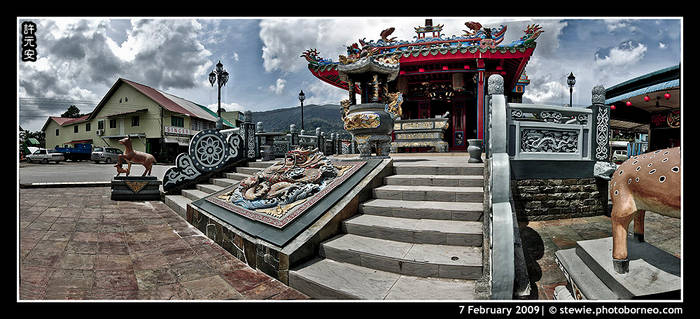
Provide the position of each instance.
(157, 122)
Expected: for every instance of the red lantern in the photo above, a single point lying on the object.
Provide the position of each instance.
(444, 68)
(421, 70)
(667, 96)
(628, 103)
(612, 107)
(646, 98)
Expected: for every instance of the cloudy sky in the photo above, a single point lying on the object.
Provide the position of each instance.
(81, 58)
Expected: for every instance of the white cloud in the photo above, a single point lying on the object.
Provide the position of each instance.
(623, 55)
(278, 87)
(662, 45)
(235, 56)
(613, 25)
(233, 106)
(320, 93)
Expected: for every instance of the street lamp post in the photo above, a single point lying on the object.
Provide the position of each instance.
(571, 80)
(301, 99)
(220, 76)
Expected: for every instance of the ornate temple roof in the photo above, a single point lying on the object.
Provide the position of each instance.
(477, 43)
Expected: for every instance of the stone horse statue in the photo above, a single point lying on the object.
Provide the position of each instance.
(132, 156)
(650, 181)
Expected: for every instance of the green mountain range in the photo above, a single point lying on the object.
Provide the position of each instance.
(327, 117)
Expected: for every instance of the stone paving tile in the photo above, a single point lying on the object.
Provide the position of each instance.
(76, 243)
(541, 239)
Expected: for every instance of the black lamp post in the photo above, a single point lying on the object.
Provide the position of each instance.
(301, 99)
(220, 76)
(571, 80)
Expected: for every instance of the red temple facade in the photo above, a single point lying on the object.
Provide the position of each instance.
(442, 79)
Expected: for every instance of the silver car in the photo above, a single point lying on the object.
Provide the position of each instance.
(105, 154)
(44, 156)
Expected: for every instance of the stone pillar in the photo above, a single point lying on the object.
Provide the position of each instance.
(319, 138)
(601, 125)
(293, 136)
(332, 144)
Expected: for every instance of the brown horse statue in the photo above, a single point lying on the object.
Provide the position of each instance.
(132, 156)
(651, 181)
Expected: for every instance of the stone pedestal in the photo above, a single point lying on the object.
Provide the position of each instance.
(653, 273)
(135, 188)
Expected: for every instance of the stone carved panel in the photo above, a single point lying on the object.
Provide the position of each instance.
(548, 141)
(603, 118)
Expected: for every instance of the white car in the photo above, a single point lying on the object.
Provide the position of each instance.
(44, 156)
(619, 156)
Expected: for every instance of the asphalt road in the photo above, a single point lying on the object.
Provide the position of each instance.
(84, 171)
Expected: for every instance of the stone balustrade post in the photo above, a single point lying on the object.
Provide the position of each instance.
(293, 136)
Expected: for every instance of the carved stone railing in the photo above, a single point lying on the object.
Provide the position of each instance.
(549, 132)
(500, 223)
(209, 152)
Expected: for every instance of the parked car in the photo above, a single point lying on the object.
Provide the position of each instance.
(105, 154)
(619, 156)
(44, 156)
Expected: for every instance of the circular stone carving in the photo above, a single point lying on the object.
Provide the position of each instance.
(207, 150)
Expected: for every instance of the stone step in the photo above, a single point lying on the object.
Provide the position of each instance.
(329, 279)
(209, 188)
(223, 182)
(424, 209)
(421, 260)
(178, 203)
(248, 170)
(443, 169)
(236, 176)
(194, 194)
(430, 193)
(419, 231)
(261, 164)
(436, 180)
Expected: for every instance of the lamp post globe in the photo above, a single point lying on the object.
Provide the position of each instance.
(219, 76)
(571, 80)
(301, 100)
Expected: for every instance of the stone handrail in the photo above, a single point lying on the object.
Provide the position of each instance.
(501, 225)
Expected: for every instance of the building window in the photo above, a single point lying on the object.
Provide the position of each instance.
(113, 123)
(87, 127)
(101, 125)
(75, 129)
(134, 121)
(177, 121)
(56, 132)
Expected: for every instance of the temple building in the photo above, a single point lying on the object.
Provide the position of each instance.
(442, 80)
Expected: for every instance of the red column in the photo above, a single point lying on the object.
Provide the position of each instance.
(480, 99)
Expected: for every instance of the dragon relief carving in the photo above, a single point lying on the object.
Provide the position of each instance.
(393, 105)
(286, 183)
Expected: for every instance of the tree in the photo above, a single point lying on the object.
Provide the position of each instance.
(72, 111)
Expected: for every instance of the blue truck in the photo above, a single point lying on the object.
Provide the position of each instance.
(79, 151)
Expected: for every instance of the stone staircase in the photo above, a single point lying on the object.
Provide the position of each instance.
(419, 238)
(178, 203)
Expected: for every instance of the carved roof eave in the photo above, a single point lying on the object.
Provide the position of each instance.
(416, 52)
(368, 64)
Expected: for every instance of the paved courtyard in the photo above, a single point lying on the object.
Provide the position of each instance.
(76, 243)
(541, 239)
